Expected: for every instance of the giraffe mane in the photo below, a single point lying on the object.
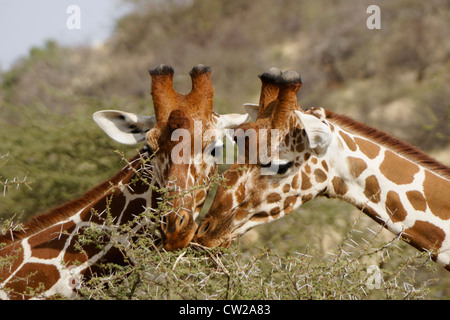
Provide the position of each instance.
(402, 148)
(64, 211)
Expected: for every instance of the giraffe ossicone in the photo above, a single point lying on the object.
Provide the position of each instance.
(45, 255)
(325, 154)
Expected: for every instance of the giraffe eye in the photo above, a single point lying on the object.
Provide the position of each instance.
(278, 167)
(147, 149)
(282, 168)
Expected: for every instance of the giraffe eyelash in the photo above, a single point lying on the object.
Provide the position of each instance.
(280, 168)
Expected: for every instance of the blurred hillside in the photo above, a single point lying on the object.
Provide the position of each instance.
(395, 79)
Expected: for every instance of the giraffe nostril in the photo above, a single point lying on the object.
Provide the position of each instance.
(203, 228)
(183, 220)
(164, 222)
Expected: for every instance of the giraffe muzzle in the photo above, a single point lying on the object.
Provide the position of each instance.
(177, 230)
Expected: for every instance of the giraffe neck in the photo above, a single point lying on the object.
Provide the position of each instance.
(48, 246)
(394, 184)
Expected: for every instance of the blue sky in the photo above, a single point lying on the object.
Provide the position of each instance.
(28, 23)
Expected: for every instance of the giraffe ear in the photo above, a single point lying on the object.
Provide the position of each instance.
(252, 109)
(124, 127)
(319, 134)
(230, 121)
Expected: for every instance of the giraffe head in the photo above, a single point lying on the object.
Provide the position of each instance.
(181, 137)
(283, 170)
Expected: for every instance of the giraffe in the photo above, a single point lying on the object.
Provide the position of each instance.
(321, 153)
(45, 256)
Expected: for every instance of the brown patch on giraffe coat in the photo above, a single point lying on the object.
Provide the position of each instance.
(307, 169)
(287, 140)
(348, 141)
(288, 210)
(372, 189)
(307, 197)
(240, 214)
(134, 208)
(114, 202)
(273, 197)
(436, 191)
(424, 235)
(398, 169)
(139, 186)
(320, 175)
(339, 186)
(394, 207)
(324, 165)
(295, 181)
(289, 204)
(49, 244)
(356, 166)
(231, 177)
(417, 200)
(27, 277)
(286, 188)
(306, 156)
(371, 150)
(306, 184)
(260, 217)
(300, 147)
(275, 212)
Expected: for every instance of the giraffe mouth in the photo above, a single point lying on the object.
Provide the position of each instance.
(177, 242)
(178, 230)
